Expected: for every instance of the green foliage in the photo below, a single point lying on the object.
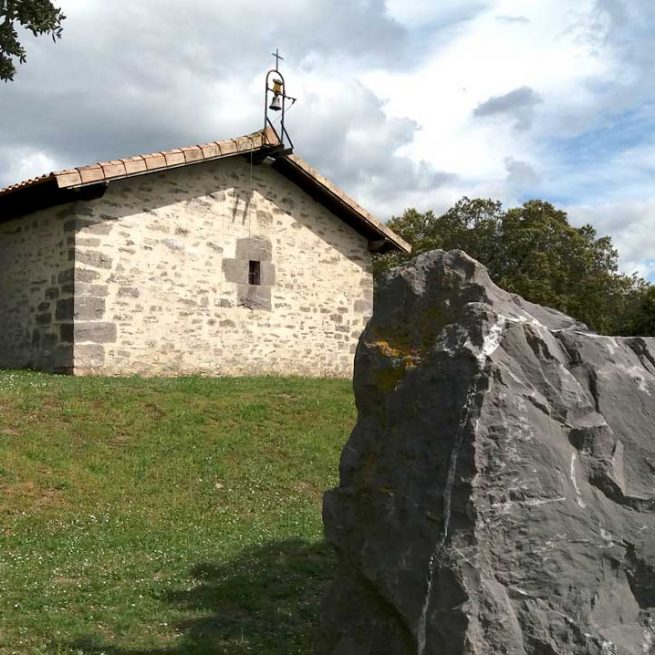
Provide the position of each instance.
(644, 322)
(532, 250)
(165, 515)
(37, 16)
(638, 316)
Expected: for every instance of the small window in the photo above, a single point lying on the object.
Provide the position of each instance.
(255, 273)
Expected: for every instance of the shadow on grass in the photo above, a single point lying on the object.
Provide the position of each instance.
(266, 601)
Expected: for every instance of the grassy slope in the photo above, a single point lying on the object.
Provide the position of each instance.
(164, 516)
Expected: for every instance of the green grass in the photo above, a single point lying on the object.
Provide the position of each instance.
(152, 516)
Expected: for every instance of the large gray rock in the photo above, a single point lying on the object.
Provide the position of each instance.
(497, 493)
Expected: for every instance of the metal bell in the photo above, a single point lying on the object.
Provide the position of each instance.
(276, 103)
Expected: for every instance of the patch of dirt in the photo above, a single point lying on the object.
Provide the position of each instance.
(28, 496)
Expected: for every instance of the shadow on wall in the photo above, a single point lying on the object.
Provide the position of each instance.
(266, 601)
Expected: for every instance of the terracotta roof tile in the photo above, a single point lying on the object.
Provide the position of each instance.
(192, 153)
(70, 177)
(228, 147)
(113, 168)
(92, 173)
(155, 160)
(174, 157)
(150, 162)
(210, 150)
(135, 165)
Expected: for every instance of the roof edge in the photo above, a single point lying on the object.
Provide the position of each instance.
(141, 164)
(327, 186)
(166, 159)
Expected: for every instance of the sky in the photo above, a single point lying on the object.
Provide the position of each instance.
(403, 103)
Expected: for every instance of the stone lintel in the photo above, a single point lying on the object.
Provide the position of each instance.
(255, 248)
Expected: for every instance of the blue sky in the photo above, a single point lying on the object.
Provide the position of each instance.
(402, 102)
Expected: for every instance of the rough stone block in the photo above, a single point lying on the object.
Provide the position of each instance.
(255, 248)
(49, 340)
(93, 258)
(85, 289)
(174, 244)
(254, 297)
(61, 359)
(85, 275)
(128, 292)
(66, 332)
(67, 275)
(264, 217)
(88, 307)
(95, 332)
(88, 243)
(236, 270)
(364, 306)
(102, 225)
(267, 274)
(64, 310)
(89, 356)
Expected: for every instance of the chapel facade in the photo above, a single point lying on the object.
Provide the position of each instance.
(229, 258)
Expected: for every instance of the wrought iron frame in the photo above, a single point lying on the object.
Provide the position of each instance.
(268, 90)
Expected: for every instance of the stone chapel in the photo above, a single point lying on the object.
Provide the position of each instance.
(230, 258)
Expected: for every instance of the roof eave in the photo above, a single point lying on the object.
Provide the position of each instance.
(381, 239)
(42, 194)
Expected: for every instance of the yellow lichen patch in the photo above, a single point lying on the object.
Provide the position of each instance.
(387, 378)
(400, 356)
(405, 346)
(387, 349)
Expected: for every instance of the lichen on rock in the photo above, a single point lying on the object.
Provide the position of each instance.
(497, 494)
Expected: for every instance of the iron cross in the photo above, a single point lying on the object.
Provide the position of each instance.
(278, 58)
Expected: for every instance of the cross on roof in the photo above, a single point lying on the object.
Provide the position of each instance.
(278, 58)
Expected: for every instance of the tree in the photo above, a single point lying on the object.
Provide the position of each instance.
(532, 250)
(644, 324)
(639, 316)
(37, 16)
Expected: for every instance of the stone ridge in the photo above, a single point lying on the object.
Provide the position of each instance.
(496, 495)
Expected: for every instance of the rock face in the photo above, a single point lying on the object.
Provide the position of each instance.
(497, 494)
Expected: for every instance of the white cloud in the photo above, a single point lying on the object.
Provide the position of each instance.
(388, 95)
(25, 164)
(582, 67)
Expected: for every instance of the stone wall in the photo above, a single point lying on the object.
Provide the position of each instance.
(162, 277)
(36, 291)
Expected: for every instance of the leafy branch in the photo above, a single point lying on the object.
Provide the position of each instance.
(37, 16)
